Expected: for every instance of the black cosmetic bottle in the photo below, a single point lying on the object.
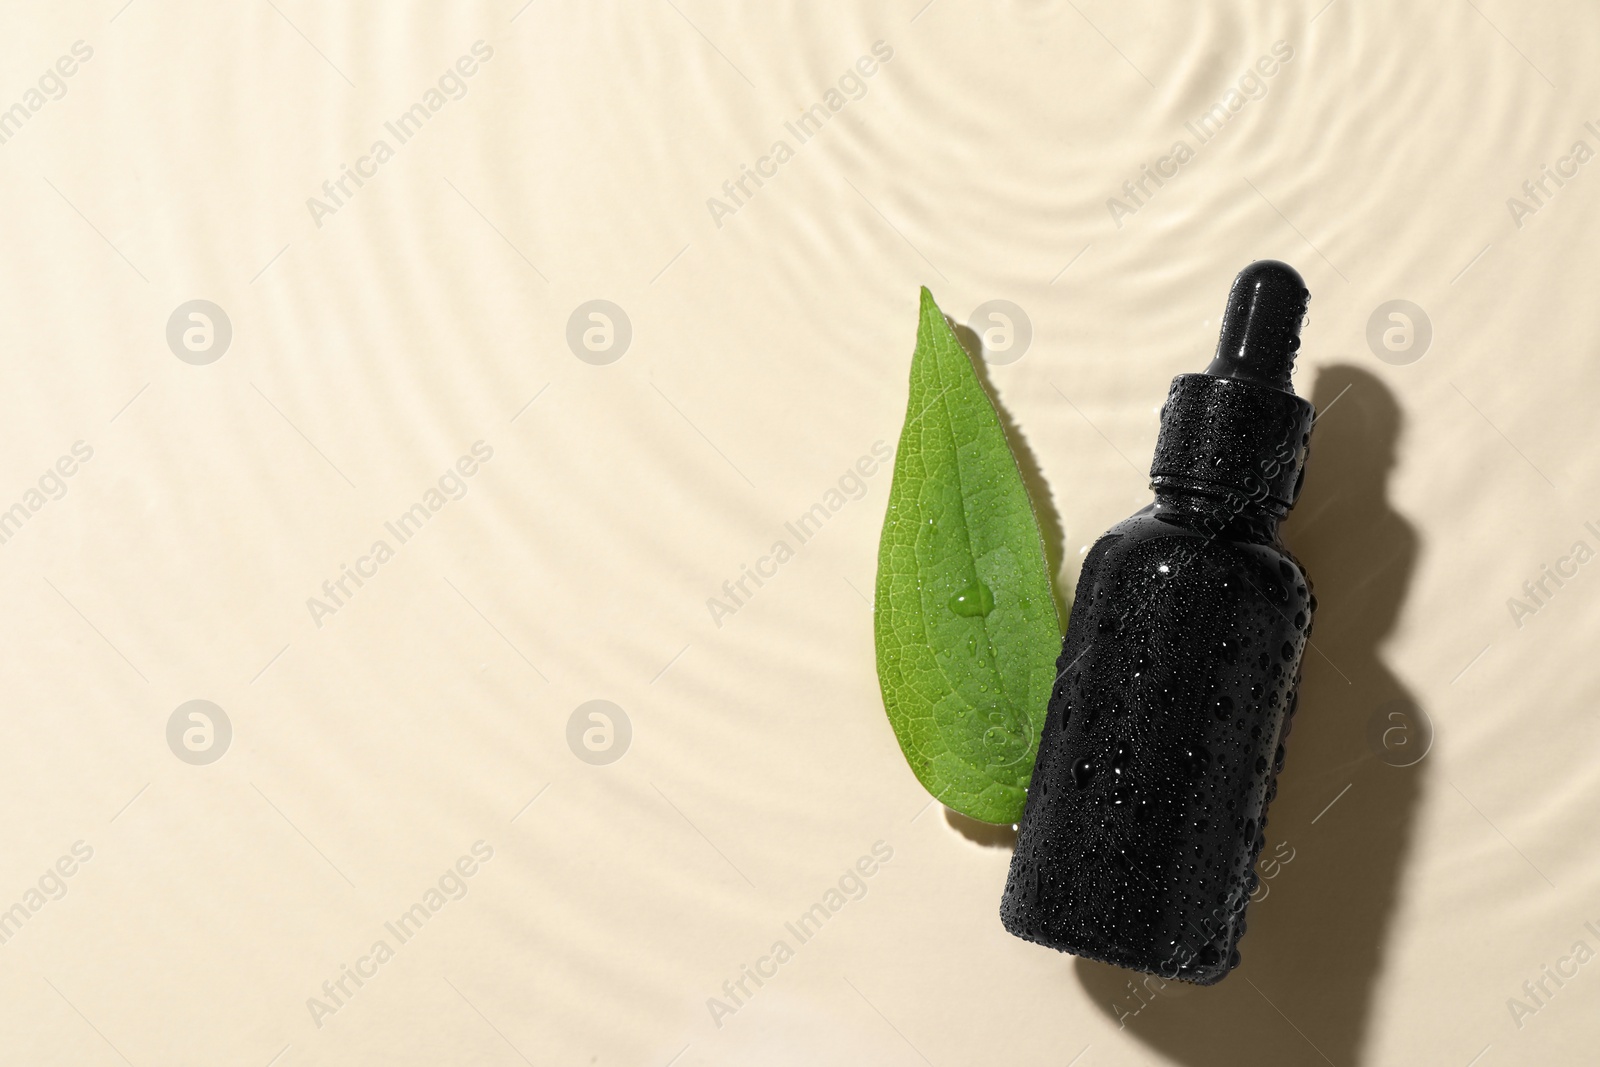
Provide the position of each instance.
(1177, 678)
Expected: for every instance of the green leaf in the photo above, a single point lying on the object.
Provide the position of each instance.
(966, 626)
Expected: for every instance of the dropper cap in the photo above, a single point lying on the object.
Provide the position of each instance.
(1261, 325)
(1239, 429)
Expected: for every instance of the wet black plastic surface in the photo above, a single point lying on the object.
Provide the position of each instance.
(1176, 683)
(1223, 435)
(1162, 745)
(1261, 325)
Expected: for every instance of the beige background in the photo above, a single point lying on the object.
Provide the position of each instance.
(767, 355)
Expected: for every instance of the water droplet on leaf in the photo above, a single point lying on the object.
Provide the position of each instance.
(974, 601)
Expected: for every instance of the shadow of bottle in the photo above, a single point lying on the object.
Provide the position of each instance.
(1313, 950)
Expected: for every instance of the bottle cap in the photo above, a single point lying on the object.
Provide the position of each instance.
(1238, 428)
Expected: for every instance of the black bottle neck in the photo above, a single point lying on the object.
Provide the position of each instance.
(1220, 513)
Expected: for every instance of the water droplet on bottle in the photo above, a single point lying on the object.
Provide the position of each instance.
(1195, 760)
(1083, 772)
